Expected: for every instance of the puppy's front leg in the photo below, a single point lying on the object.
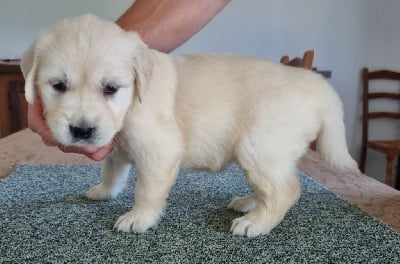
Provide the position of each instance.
(114, 171)
(151, 191)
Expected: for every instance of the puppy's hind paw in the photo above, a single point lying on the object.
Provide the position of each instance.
(99, 192)
(243, 204)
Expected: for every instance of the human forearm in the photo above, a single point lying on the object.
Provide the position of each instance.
(166, 24)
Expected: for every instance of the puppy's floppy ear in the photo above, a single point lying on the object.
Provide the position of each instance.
(29, 67)
(142, 65)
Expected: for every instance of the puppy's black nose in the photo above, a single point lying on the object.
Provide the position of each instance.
(81, 132)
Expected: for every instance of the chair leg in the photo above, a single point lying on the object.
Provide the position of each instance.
(313, 145)
(397, 186)
(363, 157)
(389, 169)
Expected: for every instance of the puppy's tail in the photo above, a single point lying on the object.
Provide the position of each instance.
(331, 141)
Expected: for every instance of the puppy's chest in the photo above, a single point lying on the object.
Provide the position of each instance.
(122, 148)
(125, 145)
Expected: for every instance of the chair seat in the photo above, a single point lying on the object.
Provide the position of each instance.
(386, 146)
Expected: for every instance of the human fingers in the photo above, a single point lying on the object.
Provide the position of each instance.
(94, 153)
(101, 152)
(37, 123)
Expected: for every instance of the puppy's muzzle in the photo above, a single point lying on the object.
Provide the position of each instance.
(83, 132)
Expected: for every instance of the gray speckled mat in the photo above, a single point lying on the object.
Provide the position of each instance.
(44, 218)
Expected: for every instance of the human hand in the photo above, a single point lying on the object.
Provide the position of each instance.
(37, 124)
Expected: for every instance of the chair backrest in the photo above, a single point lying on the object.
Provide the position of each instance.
(367, 76)
(305, 62)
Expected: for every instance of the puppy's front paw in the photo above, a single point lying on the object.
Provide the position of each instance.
(99, 192)
(136, 221)
(245, 226)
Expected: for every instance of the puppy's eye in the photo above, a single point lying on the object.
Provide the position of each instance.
(110, 89)
(59, 86)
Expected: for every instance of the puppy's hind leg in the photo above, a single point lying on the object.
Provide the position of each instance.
(275, 190)
(114, 171)
(273, 177)
(243, 204)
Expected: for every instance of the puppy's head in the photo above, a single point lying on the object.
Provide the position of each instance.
(87, 73)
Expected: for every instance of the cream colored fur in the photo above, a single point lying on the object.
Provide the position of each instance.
(192, 111)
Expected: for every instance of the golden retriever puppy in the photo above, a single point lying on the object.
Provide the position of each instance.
(193, 111)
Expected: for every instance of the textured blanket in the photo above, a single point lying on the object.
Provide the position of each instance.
(45, 218)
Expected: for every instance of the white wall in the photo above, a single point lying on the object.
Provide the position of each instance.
(20, 20)
(346, 35)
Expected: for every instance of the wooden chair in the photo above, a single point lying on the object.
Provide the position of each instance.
(305, 62)
(391, 148)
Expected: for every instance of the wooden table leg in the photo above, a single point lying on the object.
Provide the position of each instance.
(397, 186)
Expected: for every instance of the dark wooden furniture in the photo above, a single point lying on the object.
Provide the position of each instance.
(391, 148)
(305, 62)
(13, 107)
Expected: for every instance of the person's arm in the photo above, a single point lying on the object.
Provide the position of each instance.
(166, 24)
(163, 25)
